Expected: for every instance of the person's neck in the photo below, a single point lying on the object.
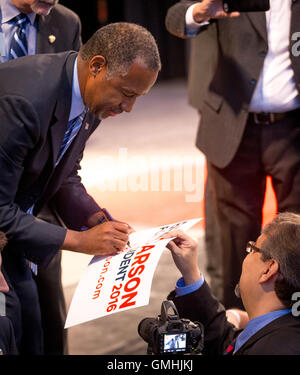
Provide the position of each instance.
(82, 74)
(23, 8)
(263, 305)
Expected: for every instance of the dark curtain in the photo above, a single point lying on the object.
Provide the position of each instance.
(148, 13)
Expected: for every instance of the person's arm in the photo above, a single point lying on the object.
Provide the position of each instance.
(77, 42)
(237, 317)
(39, 240)
(199, 305)
(105, 239)
(19, 132)
(201, 12)
(185, 255)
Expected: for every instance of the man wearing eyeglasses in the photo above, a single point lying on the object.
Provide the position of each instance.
(244, 79)
(269, 279)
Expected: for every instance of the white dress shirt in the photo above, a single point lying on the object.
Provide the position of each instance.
(276, 89)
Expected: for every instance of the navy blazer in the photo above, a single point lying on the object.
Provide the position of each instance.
(35, 101)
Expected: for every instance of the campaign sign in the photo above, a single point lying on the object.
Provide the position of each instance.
(120, 282)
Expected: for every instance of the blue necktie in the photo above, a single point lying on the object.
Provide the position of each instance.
(18, 46)
(72, 130)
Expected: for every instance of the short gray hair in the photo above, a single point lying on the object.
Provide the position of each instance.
(123, 44)
(282, 243)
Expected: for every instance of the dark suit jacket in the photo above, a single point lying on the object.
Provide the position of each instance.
(35, 100)
(280, 337)
(65, 25)
(225, 64)
(7, 338)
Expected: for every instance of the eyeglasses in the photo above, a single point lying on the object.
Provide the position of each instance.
(251, 248)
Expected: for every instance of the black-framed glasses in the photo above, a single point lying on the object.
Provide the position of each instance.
(251, 248)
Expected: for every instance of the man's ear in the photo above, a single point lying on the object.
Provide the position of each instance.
(97, 64)
(270, 270)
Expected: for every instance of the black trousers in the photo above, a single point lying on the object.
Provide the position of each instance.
(238, 190)
(53, 307)
(22, 303)
(51, 297)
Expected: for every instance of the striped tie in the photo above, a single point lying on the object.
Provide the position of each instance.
(18, 46)
(72, 130)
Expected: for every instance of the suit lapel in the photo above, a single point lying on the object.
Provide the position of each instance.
(62, 110)
(258, 20)
(46, 32)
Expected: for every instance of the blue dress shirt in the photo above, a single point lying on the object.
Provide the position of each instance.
(254, 325)
(77, 105)
(7, 12)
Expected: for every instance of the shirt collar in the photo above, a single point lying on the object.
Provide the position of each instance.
(254, 325)
(77, 105)
(9, 11)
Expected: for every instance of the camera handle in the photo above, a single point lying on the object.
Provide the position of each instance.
(166, 305)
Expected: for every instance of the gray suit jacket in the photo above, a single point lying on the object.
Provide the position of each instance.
(225, 64)
(35, 100)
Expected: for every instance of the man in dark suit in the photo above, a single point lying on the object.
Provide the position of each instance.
(7, 337)
(268, 284)
(49, 30)
(244, 79)
(52, 28)
(44, 128)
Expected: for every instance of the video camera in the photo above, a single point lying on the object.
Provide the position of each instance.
(168, 334)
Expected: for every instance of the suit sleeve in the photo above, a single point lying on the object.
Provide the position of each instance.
(77, 42)
(7, 337)
(19, 133)
(175, 18)
(203, 307)
(72, 202)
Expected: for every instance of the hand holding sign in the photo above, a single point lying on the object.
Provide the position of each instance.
(123, 281)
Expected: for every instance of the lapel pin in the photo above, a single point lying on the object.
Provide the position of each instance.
(52, 38)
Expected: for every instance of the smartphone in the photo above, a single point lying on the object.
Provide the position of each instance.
(246, 5)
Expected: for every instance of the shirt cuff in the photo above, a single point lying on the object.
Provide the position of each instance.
(190, 24)
(182, 289)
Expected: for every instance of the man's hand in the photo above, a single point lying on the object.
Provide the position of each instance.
(185, 254)
(211, 9)
(96, 217)
(109, 238)
(239, 321)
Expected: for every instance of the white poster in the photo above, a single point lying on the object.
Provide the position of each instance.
(117, 283)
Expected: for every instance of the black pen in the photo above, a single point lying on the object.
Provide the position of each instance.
(108, 217)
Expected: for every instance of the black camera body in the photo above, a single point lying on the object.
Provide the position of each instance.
(168, 334)
(246, 5)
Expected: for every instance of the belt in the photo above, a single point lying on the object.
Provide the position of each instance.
(267, 118)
